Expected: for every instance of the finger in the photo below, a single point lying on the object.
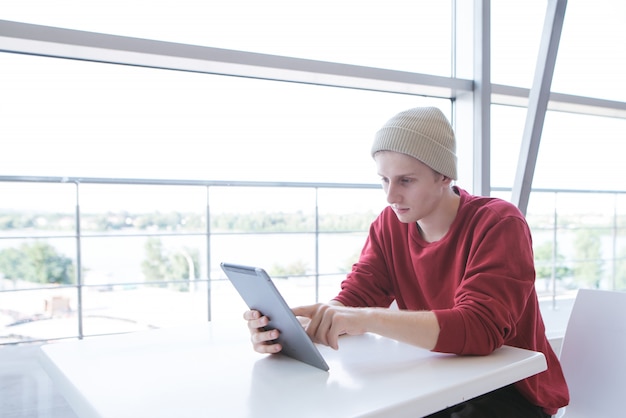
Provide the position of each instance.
(267, 348)
(263, 341)
(257, 324)
(306, 311)
(263, 337)
(315, 329)
(333, 342)
(311, 327)
(251, 314)
(324, 329)
(333, 335)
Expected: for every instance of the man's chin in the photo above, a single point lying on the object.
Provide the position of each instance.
(405, 218)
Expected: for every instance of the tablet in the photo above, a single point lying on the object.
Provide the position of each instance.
(259, 292)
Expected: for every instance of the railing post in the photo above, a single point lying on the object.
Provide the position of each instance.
(79, 264)
(555, 252)
(208, 251)
(317, 245)
(614, 249)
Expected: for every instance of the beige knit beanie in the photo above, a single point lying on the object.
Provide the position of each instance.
(423, 133)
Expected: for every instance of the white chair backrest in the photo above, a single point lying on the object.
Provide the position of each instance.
(593, 354)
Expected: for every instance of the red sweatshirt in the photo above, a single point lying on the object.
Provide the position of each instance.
(479, 280)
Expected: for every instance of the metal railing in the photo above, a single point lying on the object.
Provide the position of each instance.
(550, 222)
(79, 234)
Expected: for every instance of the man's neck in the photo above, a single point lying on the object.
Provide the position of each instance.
(436, 227)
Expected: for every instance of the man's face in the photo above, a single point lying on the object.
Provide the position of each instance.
(413, 189)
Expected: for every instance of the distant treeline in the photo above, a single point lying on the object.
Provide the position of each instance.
(177, 221)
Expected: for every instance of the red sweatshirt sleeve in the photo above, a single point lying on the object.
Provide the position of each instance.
(370, 284)
(492, 295)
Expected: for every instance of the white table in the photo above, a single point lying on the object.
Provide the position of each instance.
(210, 370)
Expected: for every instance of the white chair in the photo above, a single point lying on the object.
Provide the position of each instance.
(593, 355)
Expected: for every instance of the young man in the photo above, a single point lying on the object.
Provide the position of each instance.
(460, 268)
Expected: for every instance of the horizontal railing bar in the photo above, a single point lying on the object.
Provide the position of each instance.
(234, 183)
(182, 234)
(181, 182)
(157, 283)
(18, 237)
(37, 288)
(572, 191)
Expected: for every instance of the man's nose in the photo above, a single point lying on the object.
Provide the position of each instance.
(392, 195)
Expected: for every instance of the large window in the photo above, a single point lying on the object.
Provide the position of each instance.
(72, 118)
(155, 143)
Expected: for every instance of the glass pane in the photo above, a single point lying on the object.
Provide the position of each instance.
(619, 272)
(576, 151)
(516, 28)
(137, 209)
(339, 251)
(33, 199)
(233, 202)
(578, 240)
(141, 307)
(101, 120)
(282, 255)
(581, 152)
(396, 34)
(507, 131)
(28, 262)
(123, 261)
(584, 239)
(592, 58)
(351, 202)
(33, 315)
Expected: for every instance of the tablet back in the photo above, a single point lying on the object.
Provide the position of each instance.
(259, 292)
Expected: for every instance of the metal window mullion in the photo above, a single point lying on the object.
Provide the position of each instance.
(482, 98)
(25, 38)
(538, 102)
(471, 111)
